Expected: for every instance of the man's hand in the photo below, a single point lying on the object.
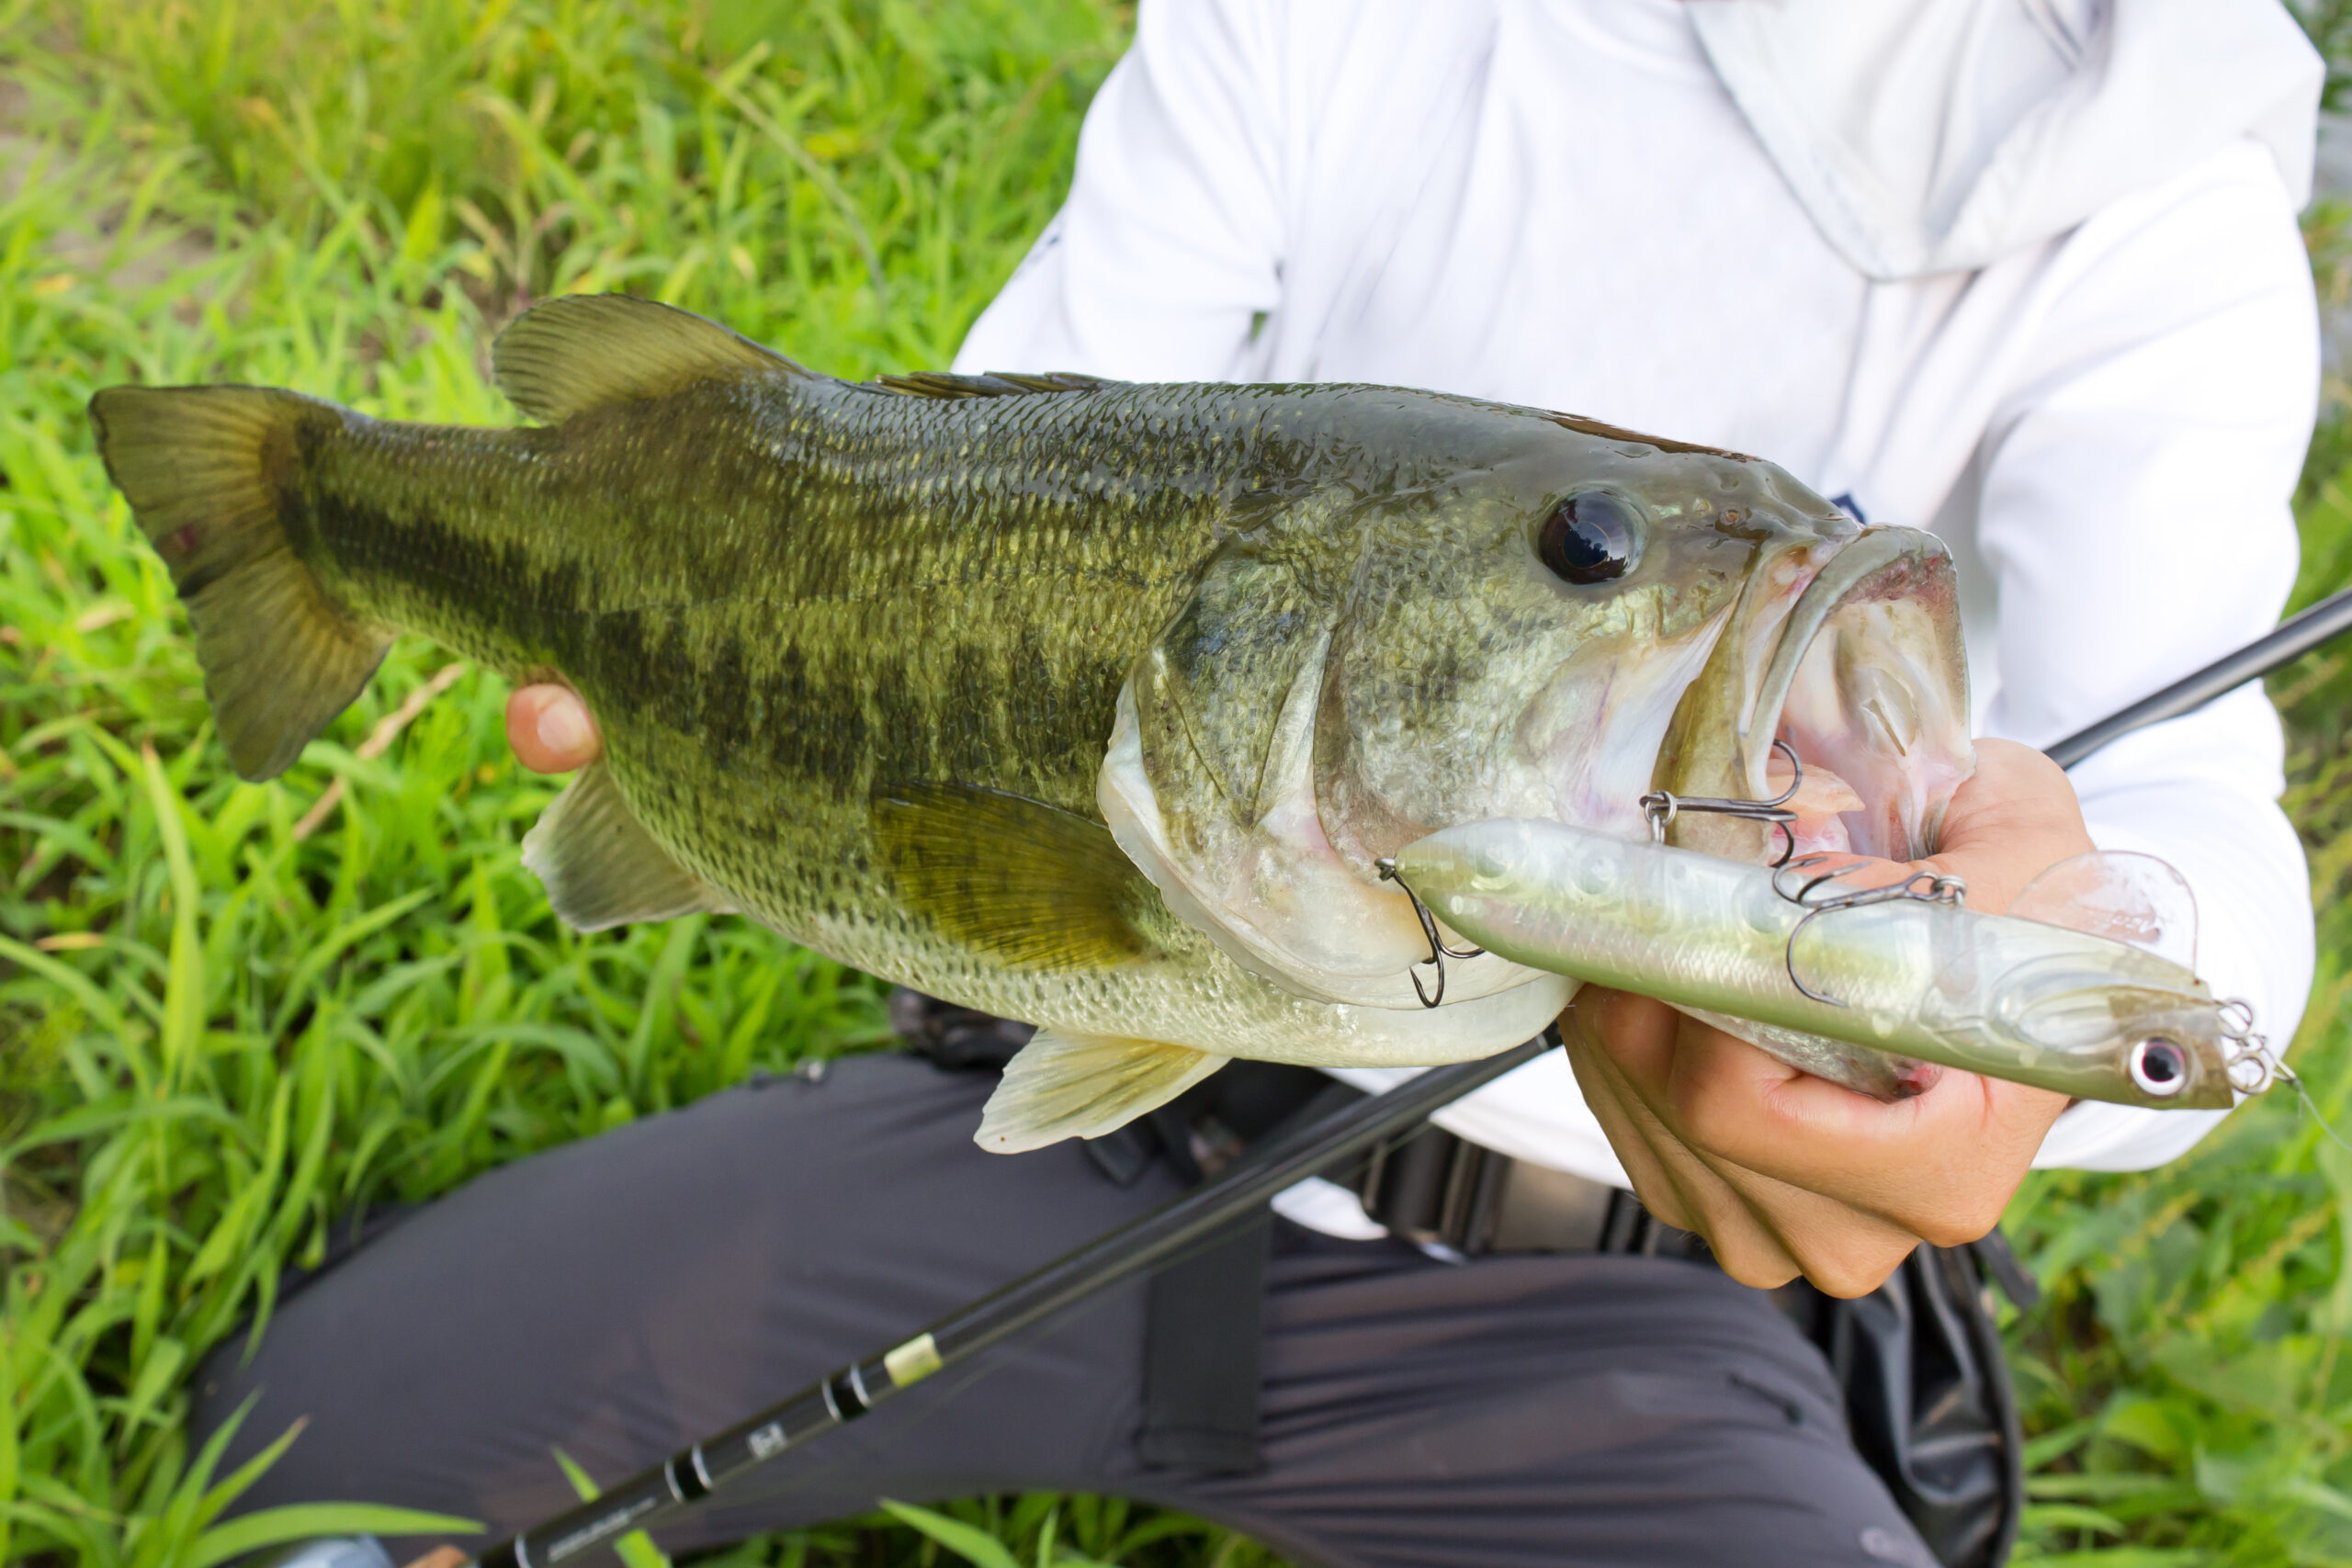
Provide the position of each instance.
(1786, 1174)
(550, 730)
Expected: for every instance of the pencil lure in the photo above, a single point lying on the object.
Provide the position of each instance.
(1846, 989)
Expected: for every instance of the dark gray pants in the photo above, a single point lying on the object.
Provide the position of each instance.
(621, 1297)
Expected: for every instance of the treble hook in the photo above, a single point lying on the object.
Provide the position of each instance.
(1920, 887)
(1662, 805)
(1439, 952)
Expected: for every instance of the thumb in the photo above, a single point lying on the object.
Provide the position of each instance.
(2013, 820)
(550, 730)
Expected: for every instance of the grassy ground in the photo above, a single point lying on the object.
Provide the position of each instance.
(228, 1014)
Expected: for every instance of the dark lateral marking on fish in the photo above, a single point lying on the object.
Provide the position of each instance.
(972, 682)
(538, 603)
(811, 737)
(730, 711)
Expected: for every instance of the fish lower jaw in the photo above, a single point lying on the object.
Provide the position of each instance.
(1873, 703)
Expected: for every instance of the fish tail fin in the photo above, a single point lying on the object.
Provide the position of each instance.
(206, 470)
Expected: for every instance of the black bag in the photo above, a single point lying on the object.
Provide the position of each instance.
(1928, 1394)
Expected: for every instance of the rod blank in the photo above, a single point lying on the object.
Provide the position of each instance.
(2295, 637)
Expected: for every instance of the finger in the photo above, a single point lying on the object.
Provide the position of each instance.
(2012, 819)
(440, 1557)
(1632, 1133)
(1764, 1232)
(1843, 1250)
(1941, 1164)
(1671, 1180)
(549, 729)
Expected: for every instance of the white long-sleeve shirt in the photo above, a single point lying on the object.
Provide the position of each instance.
(1559, 203)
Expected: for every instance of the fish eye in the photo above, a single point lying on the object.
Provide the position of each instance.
(2159, 1068)
(1589, 539)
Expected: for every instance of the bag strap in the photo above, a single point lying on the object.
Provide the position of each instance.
(1203, 1342)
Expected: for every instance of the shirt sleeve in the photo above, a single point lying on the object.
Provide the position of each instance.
(1168, 252)
(2135, 517)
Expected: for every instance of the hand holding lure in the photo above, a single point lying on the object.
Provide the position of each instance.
(1811, 968)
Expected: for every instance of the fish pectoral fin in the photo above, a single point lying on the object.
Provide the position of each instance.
(995, 384)
(584, 351)
(602, 868)
(1033, 885)
(1082, 1085)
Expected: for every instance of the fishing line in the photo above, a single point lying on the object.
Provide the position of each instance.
(2305, 1098)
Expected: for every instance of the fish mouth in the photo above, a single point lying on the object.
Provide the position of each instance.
(1851, 658)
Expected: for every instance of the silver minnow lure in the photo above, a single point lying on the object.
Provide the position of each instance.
(2009, 997)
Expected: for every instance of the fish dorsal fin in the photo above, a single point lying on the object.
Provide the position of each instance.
(1082, 1085)
(602, 868)
(995, 384)
(1034, 886)
(585, 351)
(2121, 894)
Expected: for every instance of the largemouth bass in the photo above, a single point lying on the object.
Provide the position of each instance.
(1085, 702)
(2010, 997)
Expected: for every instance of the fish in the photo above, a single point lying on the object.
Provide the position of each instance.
(1086, 703)
(2025, 996)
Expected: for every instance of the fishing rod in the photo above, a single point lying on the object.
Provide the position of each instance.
(652, 1496)
(2293, 637)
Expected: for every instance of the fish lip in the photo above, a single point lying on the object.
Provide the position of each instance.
(1722, 734)
(1868, 555)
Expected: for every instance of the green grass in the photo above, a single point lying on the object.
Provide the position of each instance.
(219, 1030)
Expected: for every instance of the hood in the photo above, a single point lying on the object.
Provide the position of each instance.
(1941, 135)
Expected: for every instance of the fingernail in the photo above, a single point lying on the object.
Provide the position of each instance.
(564, 729)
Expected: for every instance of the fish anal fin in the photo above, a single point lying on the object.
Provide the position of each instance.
(995, 384)
(1037, 886)
(584, 351)
(600, 866)
(1082, 1085)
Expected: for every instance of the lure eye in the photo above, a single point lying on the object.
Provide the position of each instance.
(2159, 1068)
(1589, 539)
